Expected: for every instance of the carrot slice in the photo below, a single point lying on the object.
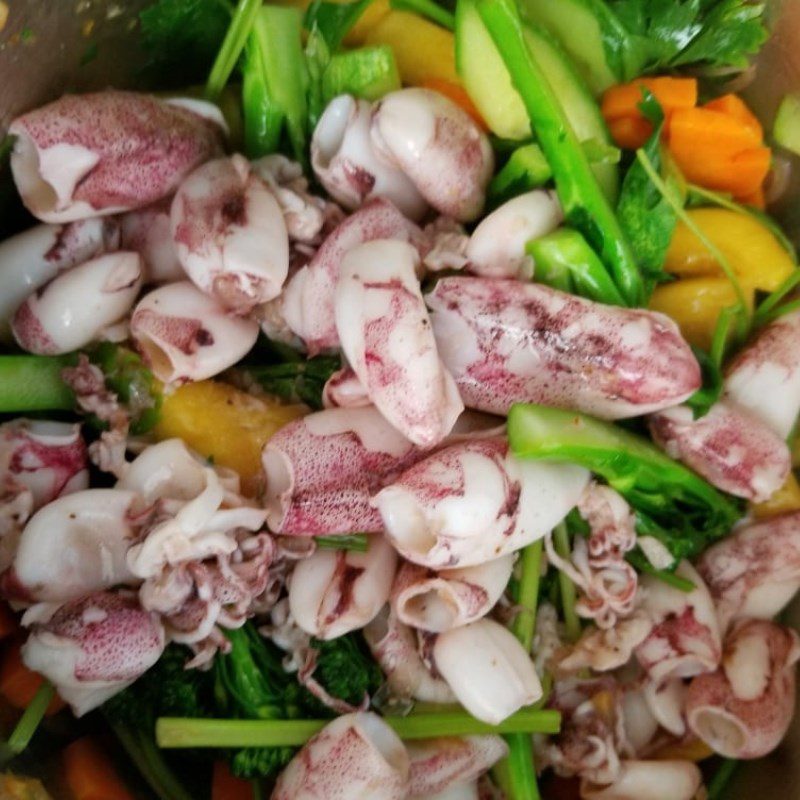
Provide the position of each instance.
(458, 94)
(734, 106)
(18, 684)
(225, 786)
(672, 93)
(703, 128)
(630, 133)
(90, 775)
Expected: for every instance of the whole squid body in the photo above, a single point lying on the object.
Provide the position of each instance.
(744, 709)
(87, 155)
(93, 647)
(414, 146)
(386, 336)
(354, 756)
(474, 502)
(506, 342)
(34, 257)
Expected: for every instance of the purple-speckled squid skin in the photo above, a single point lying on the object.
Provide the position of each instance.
(755, 571)
(438, 765)
(507, 342)
(308, 299)
(731, 448)
(102, 153)
(230, 235)
(386, 337)
(438, 146)
(354, 756)
(323, 469)
(744, 709)
(93, 647)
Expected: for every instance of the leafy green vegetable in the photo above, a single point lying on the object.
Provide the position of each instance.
(182, 37)
(427, 8)
(369, 73)
(646, 216)
(567, 590)
(717, 787)
(671, 502)
(33, 383)
(357, 542)
(297, 381)
(708, 394)
(28, 723)
(263, 118)
(586, 207)
(232, 46)
(334, 20)
(526, 169)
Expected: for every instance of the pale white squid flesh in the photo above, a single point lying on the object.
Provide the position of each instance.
(438, 601)
(34, 257)
(307, 303)
(323, 469)
(506, 342)
(441, 765)
(344, 390)
(334, 592)
(496, 247)
(71, 310)
(186, 335)
(93, 647)
(649, 780)
(74, 545)
(730, 447)
(394, 646)
(438, 146)
(473, 502)
(488, 670)
(764, 377)
(744, 709)
(91, 154)
(354, 756)
(229, 234)
(386, 336)
(148, 231)
(348, 166)
(685, 639)
(755, 571)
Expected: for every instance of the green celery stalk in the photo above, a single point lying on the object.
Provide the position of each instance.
(585, 205)
(232, 45)
(28, 723)
(427, 8)
(263, 118)
(566, 587)
(526, 169)
(33, 383)
(566, 256)
(178, 732)
(357, 542)
(369, 73)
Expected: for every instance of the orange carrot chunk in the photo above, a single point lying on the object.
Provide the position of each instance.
(630, 133)
(734, 106)
(458, 94)
(89, 773)
(623, 100)
(225, 786)
(18, 684)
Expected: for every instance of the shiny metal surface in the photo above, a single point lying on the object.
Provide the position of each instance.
(47, 46)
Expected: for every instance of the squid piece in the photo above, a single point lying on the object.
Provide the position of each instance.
(307, 303)
(356, 755)
(604, 649)
(350, 168)
(440, 765)
(334, 592)
(394, 646)
(473, 502)
(74, 545)
(148, 231)
(438, 602)
(75, 307)
(764, 377)
(438, 146)
(649, 780)
(755, 572)
(34, 257)
(461, 791)
(344, 390)
(322, 470)
(48, 459)
(744, 709)
(507, 342)
(729, 447)
(229, 234)
(185, 335)
(488, 670)
(685, 640)
(496, 248)
(94, 647)
(386, 335)
(638, 721)
(87, 155)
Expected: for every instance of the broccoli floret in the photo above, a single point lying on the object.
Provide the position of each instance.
(257, 762)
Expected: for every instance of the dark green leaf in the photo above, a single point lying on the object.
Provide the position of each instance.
(297, 381)
(334, 20)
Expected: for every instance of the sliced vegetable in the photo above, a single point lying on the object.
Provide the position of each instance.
(369, 72)
(296, 381)
(786, 129)
(19, 685)
(28, 723)
(33, 383)
(429, 9)
(89, 773)
(226, 786)
(263, 117)
(334, 20)
(670, 501)
(458, 94)
(233, 44)
(784, 501)
(526, 169)
(585, 206)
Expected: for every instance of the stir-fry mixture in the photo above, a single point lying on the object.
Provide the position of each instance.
(412, 416)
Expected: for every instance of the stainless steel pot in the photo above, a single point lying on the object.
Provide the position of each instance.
(48, 47)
